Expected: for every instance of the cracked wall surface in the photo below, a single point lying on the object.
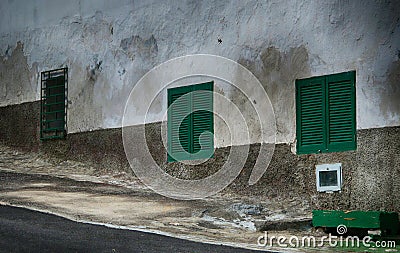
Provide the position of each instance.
(109, 46)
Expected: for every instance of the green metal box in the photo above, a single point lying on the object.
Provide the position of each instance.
(387, 222)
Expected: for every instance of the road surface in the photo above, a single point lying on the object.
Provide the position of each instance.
(23, 230)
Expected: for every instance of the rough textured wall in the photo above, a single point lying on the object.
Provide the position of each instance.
(370, 173)
(18, 80)
(109, 46)
(19, 125)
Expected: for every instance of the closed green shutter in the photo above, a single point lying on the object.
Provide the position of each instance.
(190, 122)
(310, 115)
(326, 113)
(203, 121)
(179, 123)
(341, 112)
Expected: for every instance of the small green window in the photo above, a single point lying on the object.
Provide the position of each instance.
(326, 113)
(53, 106)
(190, 122)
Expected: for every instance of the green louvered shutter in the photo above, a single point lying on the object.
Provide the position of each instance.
(341, 116)
(310, 106)
(203, 121)
(179, 123)
(326, 113)
(190, 119)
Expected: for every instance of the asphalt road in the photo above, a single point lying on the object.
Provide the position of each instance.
(23, 230)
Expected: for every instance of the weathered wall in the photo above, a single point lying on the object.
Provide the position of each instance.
(370, 174)
(109, 46)
(19, 82)
(19, 125)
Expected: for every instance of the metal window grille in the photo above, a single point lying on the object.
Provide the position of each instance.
(53, 106)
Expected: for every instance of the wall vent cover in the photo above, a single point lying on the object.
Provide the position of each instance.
(329, 177)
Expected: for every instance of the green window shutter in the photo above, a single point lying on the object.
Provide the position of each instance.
(179, 123)
(203, 121)
(326, 113)
(341, 116)
(310, 106)
(190, 122)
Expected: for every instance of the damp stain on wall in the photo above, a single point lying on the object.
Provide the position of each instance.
(277, 71)
(390, 96)
(136, 46)
(18, 80)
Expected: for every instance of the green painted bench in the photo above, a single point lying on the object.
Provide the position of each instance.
(387, 222)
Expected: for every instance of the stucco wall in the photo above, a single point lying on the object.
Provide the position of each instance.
(109, 45)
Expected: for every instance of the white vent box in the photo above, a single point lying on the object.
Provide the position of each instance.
(329, 177)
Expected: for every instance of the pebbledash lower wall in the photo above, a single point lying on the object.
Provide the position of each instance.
(370, 173)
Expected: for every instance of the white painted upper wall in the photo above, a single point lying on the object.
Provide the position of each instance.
(109, 45)
(20, 15)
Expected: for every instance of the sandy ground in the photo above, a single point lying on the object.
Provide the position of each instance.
(79, 192)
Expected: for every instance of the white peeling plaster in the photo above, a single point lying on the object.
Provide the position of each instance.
(338, 35)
